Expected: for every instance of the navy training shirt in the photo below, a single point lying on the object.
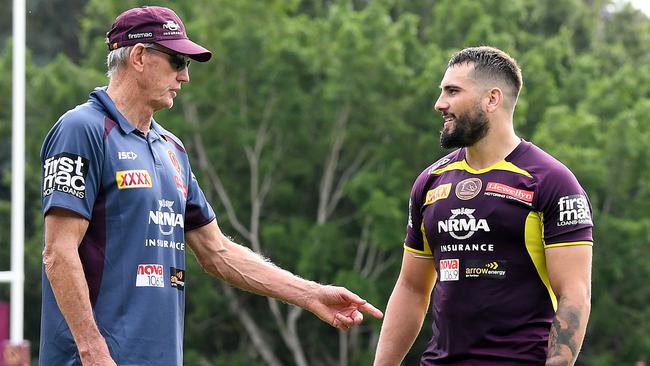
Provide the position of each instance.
(140, 196)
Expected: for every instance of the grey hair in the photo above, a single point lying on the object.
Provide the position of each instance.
(117, 58)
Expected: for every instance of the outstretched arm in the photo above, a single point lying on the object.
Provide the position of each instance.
(406, 309)
(249, 271)
(569, 270)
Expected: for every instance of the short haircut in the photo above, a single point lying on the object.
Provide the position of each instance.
(117, 58)
(490, 62)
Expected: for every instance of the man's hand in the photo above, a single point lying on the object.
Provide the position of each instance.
(338, 306)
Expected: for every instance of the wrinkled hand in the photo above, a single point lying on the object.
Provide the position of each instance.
(339, 307)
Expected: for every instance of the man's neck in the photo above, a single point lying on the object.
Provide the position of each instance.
(500, 141)
(128, 101)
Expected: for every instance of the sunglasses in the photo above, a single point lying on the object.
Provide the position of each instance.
(178, 61)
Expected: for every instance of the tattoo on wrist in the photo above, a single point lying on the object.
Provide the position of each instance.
(563, 345)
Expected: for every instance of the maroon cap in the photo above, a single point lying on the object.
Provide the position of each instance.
(154, 24)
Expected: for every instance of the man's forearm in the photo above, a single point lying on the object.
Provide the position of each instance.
(66, 276)
(402, 324)
(247, 270)
(567, 332)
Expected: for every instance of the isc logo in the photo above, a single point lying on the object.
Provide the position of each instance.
(133, 179)
(127, 155)
(149, 275)
(449, 269)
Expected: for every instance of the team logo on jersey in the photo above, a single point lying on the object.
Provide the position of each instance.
(150, 275)
(166, 218)
(438, 164)
(174, 161)
(449, 269)
(65, 172)
(126, 155)
(468, 188)
(127, 179)
(177, 278)
(574, 210)
(410, 221)
(182, 187)
(439, 193)
(462, 224)
(505, 191)
(495, 269)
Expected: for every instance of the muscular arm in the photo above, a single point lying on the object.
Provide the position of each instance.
(63, 233)
(406, 309)
(249, 271)
(569, 270)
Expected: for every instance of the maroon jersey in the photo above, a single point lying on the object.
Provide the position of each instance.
(486, 231)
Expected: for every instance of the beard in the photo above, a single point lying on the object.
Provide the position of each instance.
(468, 129)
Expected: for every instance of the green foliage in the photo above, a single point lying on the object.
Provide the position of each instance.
(311, 75)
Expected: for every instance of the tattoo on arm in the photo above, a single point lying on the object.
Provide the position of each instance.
(563, 345)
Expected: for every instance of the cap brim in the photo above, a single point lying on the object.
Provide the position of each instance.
(186, 47)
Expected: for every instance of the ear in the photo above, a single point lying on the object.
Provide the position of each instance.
(494, 99)
(136, 57)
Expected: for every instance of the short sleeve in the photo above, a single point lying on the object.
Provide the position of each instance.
(197, 211)
(567, 213)
(415, 240)
(71, 164)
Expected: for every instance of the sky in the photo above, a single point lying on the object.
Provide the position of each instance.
(643, 5)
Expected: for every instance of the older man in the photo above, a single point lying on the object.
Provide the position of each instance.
(120, 203)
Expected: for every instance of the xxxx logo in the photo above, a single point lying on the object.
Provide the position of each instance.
(133, 179)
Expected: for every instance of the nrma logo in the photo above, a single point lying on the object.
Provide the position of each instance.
(462, 224)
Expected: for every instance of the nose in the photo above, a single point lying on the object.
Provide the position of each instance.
(441, 104)
(184, 75)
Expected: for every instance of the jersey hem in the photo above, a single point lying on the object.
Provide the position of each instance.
(419, 252)
(201, 224)
(74, 210)
(568, 244)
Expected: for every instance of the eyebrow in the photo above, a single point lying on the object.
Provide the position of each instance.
(450, 86)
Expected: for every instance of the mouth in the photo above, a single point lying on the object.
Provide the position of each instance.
(174, 92)
(449, 119)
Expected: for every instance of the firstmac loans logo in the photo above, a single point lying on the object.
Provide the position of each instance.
(65, 172)
(574, 210)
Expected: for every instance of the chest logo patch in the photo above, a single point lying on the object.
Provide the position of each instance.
(177, 278)
(495, 269)
(468, 188)
(439, 193)
(174, 161)
(462, 224)
(449, 269)
(149, 275)
(505, 191)
(127, 179)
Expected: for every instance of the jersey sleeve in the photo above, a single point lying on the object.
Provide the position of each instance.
(198, 211)
(416, 240)
(566, 210)
(71, 160)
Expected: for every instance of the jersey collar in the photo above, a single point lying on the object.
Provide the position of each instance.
(100, 96)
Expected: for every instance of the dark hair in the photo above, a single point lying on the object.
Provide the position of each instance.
(491, 62)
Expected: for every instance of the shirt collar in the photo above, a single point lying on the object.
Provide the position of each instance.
(102, 98)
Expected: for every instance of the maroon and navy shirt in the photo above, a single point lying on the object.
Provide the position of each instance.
(486, 231)
(140, 197)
